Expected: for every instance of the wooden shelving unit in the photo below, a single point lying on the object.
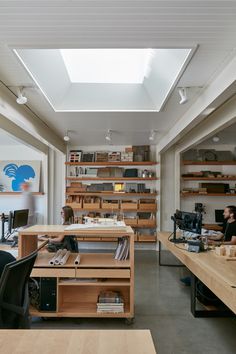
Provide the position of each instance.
(76, 297)
(184, 195)
(210, 163)
(116, 195)
(111, 179)
(19, 193)
(113, 194)
(120, 163)
(208, 179)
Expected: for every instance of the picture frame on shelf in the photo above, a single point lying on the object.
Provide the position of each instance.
(114, 156)
(75, 155)
(101, 156)
(88, 157)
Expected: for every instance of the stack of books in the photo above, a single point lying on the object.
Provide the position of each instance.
(122, 249)
(110, 302)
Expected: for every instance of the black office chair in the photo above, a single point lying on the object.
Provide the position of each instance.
(14, 297)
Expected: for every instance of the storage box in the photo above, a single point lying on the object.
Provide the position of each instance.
(130, 221)
(91, 203)
(147, 238)
(75, 205)
(129, 205)
(110, 204)
(147, 204)
(147, 222)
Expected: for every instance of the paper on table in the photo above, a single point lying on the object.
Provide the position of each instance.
(118, 224)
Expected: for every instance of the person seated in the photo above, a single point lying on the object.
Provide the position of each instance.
(64, 241)
(5, 258)
(228, 237)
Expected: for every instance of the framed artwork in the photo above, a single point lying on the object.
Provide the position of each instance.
(14, 173)
(88, 157)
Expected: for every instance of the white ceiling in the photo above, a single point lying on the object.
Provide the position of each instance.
(118, 24)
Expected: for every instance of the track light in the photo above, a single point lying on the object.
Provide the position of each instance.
(183, 95)
(108, 136)
(216, 139)
(66, 137)
(152, 135)
(21, 99)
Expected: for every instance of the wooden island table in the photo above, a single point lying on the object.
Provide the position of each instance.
(78, 286)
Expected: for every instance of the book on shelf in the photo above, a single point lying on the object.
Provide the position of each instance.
(110, 301)
(122, 249)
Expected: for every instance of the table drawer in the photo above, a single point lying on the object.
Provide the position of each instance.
(53, 272)
(102, 273)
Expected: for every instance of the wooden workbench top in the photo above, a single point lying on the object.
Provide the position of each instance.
(76, 342)
(61, 229)
(216, 272)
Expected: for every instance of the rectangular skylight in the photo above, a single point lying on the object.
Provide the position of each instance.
(107, 66)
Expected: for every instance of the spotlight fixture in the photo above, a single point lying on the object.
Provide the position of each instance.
(108, 136)
(66, 137)
(152, 135)
(21, 99)
(215, 139)
(183, 95)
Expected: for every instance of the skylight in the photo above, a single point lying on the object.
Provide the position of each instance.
(107, 66)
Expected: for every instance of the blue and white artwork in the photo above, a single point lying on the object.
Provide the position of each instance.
(14, 173)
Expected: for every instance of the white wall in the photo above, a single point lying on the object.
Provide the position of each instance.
(22, 152)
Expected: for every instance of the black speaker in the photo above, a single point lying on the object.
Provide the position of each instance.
(48, 294)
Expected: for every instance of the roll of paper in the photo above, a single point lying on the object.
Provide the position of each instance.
(52, 260)
(64, 258)
(61, 255)
(77, 260)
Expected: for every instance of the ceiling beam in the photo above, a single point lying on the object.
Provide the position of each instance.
(23, 117)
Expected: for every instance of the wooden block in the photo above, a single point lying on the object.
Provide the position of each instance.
(230, 251)
(220, 251)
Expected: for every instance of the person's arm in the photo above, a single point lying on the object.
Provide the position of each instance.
(57, 238)
(232, 242)
(216, 237)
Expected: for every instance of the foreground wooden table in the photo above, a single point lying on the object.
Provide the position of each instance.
(76, 342)
(218, 274)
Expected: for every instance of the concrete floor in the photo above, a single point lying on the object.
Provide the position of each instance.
(162, 305)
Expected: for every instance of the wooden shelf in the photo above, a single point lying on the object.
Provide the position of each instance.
(207, 195)
(143, 226)
(87, 260)
(107, 283)
(109, 210)
(217, 163)
(79, 310)
(114, 194)
(118, 163)
(19, 193)
(111, 179)
(209, 179)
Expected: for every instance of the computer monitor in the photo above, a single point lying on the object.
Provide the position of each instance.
(20, 218)
(219, 217)
(191, 222)
(16, 219)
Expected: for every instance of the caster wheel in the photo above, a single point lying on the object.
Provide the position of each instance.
(129, 321)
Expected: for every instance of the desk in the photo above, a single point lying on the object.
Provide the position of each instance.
(78, 297)
(218, 274)
(76, 342)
